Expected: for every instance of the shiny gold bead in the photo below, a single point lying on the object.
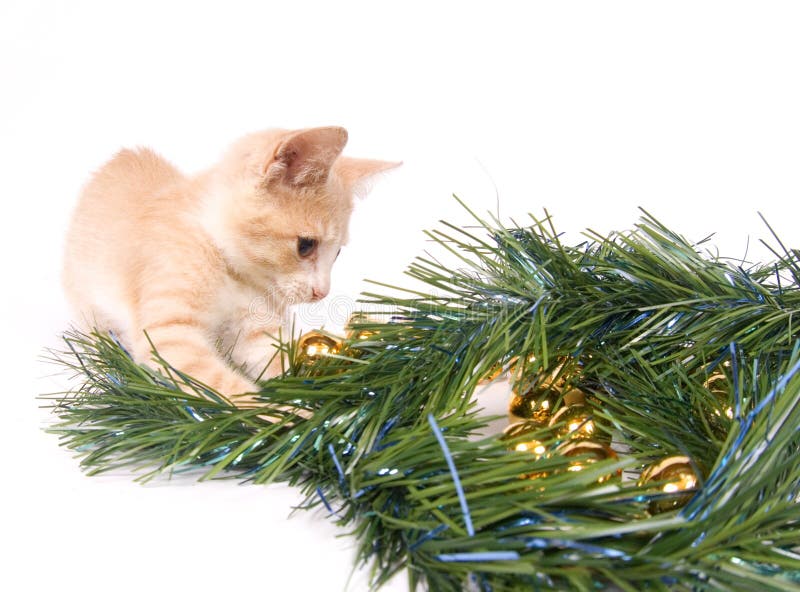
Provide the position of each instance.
(356, 337)
(676, 477)
(588, 452)
(535, 406)
(717, 385)
(536, 447)
(517, 365)
(574, 397)
(574, 421)
(356, 334)
(556, 377)
(577, 419)
(362, 334)
(314, 346)
(532, 445)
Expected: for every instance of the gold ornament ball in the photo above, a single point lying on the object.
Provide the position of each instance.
(315, 345)
(548, 385)
(516, 364)
(362, 334)
(562, 370)
(577, 421)
(588, 452)
(534, 406)
(574, 397)
(357, 336)
(676, 477)
(532, 445)
(717, 385)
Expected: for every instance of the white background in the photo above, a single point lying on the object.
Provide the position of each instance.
(590, 109)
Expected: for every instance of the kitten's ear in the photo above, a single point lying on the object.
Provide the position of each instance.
(357, 172)
(305, 157)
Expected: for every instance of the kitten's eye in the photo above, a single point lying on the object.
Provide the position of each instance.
(306, 246)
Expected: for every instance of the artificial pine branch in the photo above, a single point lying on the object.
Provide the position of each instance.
(640, 319)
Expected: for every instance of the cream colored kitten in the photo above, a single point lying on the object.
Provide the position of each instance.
(211, 263)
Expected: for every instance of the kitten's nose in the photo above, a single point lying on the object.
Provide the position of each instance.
(318, 293)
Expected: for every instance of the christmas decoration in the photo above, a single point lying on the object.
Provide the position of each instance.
(315, 345)
(536, 394)
(676, 477)
(363, 335)
(528, 443)
(533, 406)
(575, 421)
(717, 385)
(395, 449)
(585, 453)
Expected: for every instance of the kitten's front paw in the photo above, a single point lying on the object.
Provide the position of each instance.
(254, 361)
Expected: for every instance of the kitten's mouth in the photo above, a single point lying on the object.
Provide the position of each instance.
(297, 297)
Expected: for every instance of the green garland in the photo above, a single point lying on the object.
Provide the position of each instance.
(391, 449)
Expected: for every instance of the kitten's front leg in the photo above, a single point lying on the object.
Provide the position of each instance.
(259, 357)
(176, 325)
(252, 330)
(257, 354)
(187, 349)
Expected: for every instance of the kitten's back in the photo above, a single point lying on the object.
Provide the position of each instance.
(130, 177)
(110, 213)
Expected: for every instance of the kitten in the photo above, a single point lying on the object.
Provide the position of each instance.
(210, 263)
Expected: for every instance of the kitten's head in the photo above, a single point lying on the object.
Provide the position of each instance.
(284, 202)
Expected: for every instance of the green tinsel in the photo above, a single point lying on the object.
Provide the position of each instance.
(645, 316)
